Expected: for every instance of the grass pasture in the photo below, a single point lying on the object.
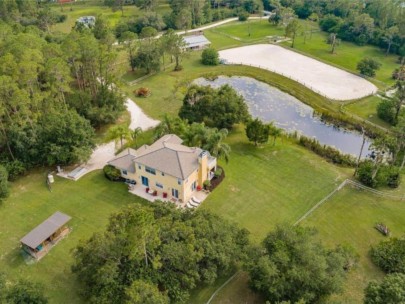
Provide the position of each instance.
(90, 8)
(89, 201)
(349, 218)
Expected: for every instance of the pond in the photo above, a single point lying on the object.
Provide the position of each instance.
(287, 112)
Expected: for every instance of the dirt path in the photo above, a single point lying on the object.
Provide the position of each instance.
(105, 152)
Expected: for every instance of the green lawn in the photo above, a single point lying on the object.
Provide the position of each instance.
(89, 201)
(90, 8)
(349, 218)
(288, 181)
(367, 109)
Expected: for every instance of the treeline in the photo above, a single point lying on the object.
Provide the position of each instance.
(159, 254)
(184, 14)
(55, 90)
(377, 22)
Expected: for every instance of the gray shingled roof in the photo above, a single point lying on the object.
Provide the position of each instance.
(45, 230)
(124, 161)
(196, 40)
(169, 156)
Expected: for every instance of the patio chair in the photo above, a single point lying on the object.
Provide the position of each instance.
(189, 206)
(193, 198)
(192, 203)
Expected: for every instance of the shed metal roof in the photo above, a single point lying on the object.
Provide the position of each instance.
(196, 40)
(45, 230)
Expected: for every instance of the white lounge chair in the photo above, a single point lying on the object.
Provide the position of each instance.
(192, 203)
(189, 206)
(195, 200)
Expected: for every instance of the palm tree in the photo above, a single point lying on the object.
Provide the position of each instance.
(119, 132)
(170, 125)
(195, 135)
(135, 134)
(216, 146)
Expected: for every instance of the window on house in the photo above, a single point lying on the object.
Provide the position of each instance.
(124, 172)
(163, 174)
(179, 181)
(139, 167)
(193, 186)
(150, 170)
(159, 185)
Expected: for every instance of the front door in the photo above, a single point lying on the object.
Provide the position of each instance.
(175, 193)
(145, 181)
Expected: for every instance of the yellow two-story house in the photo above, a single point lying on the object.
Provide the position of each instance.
(167, 167)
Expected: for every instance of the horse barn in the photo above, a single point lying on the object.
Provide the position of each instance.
(41, 239)
(196, 42)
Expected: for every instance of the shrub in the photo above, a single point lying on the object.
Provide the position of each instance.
(365, 174)
(389, 255)
(142, 92)
(386, 111)
(390, 290)
(207, 184)
(15, 168)
(368, 66)
(218, 172)
(112, 173)
(327, 152)
(210, 56)
(393, 177)
(4, 191)
(399, 73)
(243, 16)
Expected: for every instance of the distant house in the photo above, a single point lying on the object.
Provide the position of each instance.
(167, 168)
(41, 239)
(196, 42)
(88, 21)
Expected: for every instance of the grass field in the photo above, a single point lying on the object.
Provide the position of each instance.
(76, 10)
(367, 109)
(349, 218)
(89, 201)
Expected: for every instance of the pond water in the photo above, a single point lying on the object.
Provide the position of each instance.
(287, 112)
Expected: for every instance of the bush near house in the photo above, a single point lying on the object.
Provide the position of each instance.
(112, 173)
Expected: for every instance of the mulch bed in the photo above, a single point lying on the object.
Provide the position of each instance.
(217, 180)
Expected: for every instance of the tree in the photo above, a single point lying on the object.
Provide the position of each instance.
(148, 58)
(292, 266)
(257, 132)
(128, 39)
(25, 292)
(215, 145)
(292, 30)
(149, 253)
(175, 46)
(119, 132)
(141, 292)
(4, 191)
(210, 56)
(368, 66)
(390, 291)
(389, 37)
(386, 110)
(400, 135)
(218, 108)
(135, 134)
(115, 5)
(389, 255)
(147, 5)
(333, 41)
(399, 98)
(275, 132)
